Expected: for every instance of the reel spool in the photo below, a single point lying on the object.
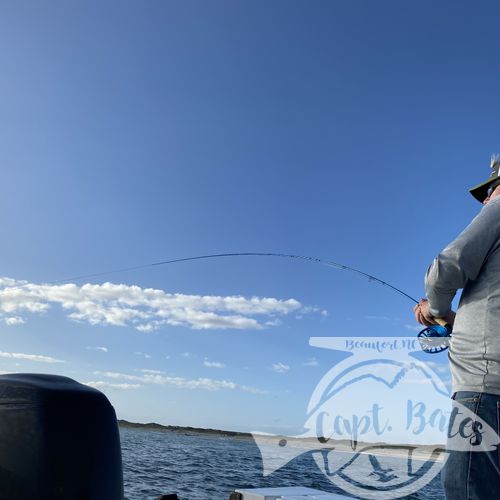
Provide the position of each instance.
(435, 338)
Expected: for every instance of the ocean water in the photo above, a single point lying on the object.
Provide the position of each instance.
(196, 467)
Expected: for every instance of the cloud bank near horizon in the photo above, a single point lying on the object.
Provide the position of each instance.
(103, 386)
(204, 383)
(145, 309)
(38, 358)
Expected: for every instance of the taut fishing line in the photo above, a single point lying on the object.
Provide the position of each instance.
(325, 262)
(432, 339)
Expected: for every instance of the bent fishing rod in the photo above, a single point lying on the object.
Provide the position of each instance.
(432, 339)
(325, 262)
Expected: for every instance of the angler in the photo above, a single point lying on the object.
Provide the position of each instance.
(472, 263)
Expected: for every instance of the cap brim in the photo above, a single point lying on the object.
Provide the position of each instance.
(480, 192)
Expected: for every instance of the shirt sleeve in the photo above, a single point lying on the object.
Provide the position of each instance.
(462, 259)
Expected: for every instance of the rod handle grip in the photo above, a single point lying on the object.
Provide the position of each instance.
(442, 322)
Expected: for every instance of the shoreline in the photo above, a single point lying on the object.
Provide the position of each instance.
(195, 431)
(421, 452)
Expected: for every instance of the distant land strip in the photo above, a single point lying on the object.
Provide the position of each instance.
(184, 430)
(436, 450)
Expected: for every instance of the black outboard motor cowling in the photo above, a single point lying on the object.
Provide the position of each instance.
(58, 440)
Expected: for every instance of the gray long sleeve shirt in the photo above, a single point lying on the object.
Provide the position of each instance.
(471, 262)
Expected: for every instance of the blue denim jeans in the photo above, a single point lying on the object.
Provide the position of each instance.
(475, 475)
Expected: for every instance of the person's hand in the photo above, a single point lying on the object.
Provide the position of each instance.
(422, 314)
(424, 317)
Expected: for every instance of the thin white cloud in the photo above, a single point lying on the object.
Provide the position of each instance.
(30, 357)
(311, 310)
(253, 390)
(139, 353)
(274, 322)
(280, 368)
(145, 309)
(154, 372)
(311, 362)
(379, 318)
(181, 382)
(98, 348)
(414, 328)
(102, 386)
(13, 320)
(213, 364)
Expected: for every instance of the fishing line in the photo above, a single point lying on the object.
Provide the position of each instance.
(325, 262)
(433, 339)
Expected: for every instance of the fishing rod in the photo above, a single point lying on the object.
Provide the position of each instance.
(325, 262)
(432, 339)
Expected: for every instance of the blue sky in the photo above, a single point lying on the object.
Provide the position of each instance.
(133, 133)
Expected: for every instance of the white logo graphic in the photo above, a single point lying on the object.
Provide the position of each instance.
(377, 422)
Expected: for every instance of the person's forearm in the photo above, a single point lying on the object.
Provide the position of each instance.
(438, 287)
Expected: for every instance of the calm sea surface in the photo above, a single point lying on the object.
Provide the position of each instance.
(210, 468)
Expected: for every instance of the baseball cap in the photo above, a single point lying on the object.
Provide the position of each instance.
(480, 192)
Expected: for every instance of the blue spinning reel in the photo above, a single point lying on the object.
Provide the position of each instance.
(435, 338)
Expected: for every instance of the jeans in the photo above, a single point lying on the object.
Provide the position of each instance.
(474, 475)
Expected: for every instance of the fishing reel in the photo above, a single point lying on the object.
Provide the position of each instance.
(436, 338)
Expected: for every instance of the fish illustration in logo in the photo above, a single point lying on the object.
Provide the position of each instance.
(361, 412)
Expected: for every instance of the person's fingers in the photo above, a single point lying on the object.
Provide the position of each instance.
(423, 320)
(416, 312)
(422, 315)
